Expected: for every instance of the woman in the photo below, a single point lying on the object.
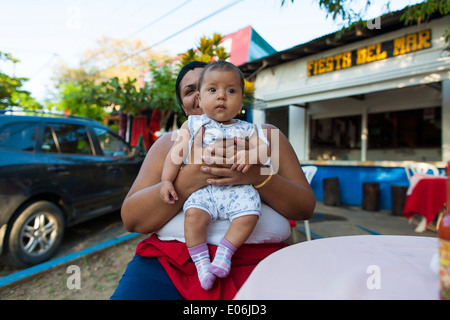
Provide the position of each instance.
(161, 268)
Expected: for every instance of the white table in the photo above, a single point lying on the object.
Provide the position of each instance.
(352, 267)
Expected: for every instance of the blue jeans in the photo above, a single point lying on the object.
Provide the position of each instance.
(145, 279)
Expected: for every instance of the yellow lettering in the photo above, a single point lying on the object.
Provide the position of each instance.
(309, 66)
(424, 40)
(338, 58)
(371, 53)
(381, 55)
(361, 56)
(347, 60)
(329, 67)
(321, 65)
(408, 43)
(399, 46)
(411, 42)
(315, 67)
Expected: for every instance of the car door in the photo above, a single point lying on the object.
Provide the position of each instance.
(73, 169)
(119, 164)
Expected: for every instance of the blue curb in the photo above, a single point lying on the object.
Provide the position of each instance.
(368, 230)
(61, 260)
(313, 235)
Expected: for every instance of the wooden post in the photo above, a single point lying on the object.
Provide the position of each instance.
(331, 194)
(398, 198)
(371, 196)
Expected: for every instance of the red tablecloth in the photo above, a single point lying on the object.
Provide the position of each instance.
(427, 198)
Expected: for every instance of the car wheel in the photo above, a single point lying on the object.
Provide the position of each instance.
(35, 234)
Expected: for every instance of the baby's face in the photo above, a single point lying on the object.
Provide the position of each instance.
(221, 95)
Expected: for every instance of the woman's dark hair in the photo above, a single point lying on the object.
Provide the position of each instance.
(188, 67)
(222, 65)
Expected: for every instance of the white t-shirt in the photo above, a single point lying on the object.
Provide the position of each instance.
(270, 228)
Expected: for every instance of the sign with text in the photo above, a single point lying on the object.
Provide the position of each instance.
(374, 52)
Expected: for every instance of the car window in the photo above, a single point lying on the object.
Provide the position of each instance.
(66, 138)
(19, 136)
(49, 142)
(111, 144)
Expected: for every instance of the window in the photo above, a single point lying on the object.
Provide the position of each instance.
(19, 136)
(420, 128)
(49, 143)
(343, 132)
(68, 138)
(336, 138)
(111, 144)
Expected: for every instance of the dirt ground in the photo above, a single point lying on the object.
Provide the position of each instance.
(100, 273)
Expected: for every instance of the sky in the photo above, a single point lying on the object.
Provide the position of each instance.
(43, 33)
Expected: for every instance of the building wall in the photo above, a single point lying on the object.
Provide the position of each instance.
(403, 82)
(288, 83)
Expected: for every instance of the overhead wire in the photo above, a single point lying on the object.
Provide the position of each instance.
(159, 18)
(174, 34)
(145, 27)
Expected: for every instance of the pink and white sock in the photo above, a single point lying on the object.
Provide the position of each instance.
(200, 256)
(222, 261)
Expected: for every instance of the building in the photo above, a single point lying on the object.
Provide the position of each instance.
(361, 105)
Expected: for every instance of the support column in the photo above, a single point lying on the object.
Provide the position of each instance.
(445, 120)
(364, 134)
(297, 131)
(259, 116)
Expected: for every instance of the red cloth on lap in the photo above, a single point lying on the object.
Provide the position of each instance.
(175, 258)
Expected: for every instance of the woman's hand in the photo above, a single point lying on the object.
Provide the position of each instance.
(224, 175)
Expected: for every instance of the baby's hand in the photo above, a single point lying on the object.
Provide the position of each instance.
(242, 161)
(167, 192)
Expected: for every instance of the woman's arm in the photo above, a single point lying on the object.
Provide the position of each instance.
(288, 191)
(143, 210)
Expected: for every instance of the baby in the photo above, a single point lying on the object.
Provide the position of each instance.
(221, 95)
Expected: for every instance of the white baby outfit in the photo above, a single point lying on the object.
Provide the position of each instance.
(225, 201)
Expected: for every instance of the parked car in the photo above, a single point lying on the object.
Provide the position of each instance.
(56, 171)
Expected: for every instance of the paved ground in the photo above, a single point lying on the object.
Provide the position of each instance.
(349, 220)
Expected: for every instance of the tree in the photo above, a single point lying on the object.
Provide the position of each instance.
(73, 99)
(11, 92)
(108, 59)
(207, 50)
(351, 17)
(86, 98)
(106, 77)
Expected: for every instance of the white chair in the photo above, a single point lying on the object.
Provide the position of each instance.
(420, 168)
(309, 171)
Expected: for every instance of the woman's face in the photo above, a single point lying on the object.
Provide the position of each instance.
(188, 92)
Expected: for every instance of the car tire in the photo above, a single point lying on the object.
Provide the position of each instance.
(35, 234)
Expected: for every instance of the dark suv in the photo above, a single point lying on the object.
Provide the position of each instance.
(56, 171)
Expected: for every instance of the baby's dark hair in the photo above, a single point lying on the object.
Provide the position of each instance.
(221, 65)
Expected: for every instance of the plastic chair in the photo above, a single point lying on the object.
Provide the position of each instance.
(309, 171)
(420, 168)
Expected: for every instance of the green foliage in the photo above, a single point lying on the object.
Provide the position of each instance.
(207, 50)
(73, 98)
(162, 87)
(125, 95)
(342, 9)
(85, 98)
(11, 93)
(423, 11)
